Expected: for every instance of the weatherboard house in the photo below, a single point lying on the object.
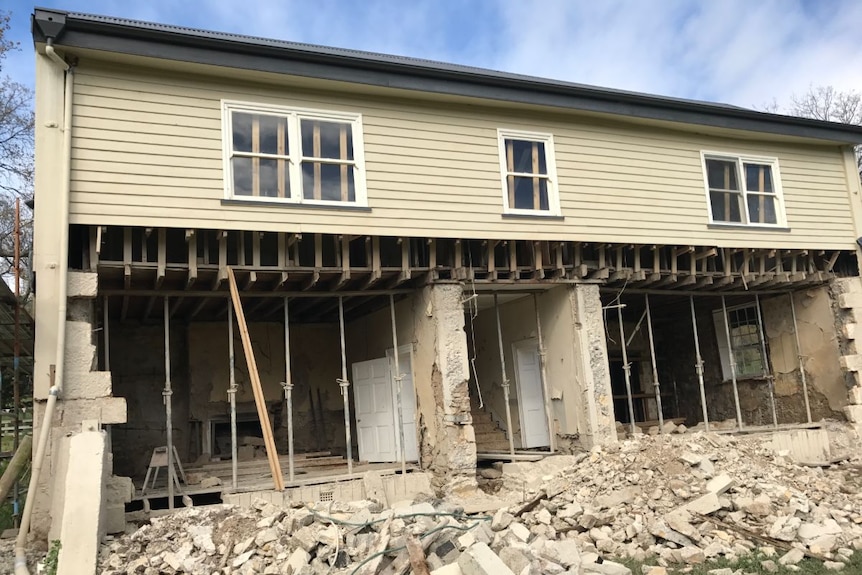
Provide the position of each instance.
(288, 266)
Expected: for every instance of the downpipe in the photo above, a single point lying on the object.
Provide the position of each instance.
(60, 353)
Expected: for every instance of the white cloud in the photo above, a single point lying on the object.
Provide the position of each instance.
(736, 51)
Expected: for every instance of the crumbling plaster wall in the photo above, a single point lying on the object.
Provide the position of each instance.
(86, 395)
(819, 348)
(447, 442)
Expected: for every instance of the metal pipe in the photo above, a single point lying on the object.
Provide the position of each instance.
(60, 350)
(16, 360)
(732, 363)
(543, 373)
(106, 326)
(654, 367)
(168, 400)
(505, 380)
(631, 290)
(231, 393)
(288, 389)
(398, 390)
(627, 371)
(698, 366)
(770, 379)
(636, 329)
(344, 384)
(800, 358)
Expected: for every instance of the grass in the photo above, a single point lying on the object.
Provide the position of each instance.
(751, 564)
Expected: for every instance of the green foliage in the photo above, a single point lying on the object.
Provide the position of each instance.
(52, 557)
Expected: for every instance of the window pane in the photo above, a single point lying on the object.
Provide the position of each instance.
(268, 178)
(758, 178)
(721, 175)
(526, 157)
(528, 191)
(332, 182)
(332, 140)
(761, 209)
(241, 176)
(726, 206)
(273, 135)
(241, 131)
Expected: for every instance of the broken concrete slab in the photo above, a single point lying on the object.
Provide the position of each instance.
(480, 560)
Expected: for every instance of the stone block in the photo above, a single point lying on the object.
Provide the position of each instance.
(853, 413)
(119, 489)
(87, 385)
(480, 560)
(108, 410)
(851, 300)
(451, 569)
(563, 553)
(82, 284)
(792, 557)
(848, 330)
(115, 518)
(82, 527)
(606, 568)
(851, 362)
(855, 395)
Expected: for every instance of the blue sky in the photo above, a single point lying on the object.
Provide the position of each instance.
(741, 52)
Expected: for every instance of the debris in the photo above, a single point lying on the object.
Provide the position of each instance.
(638, 498)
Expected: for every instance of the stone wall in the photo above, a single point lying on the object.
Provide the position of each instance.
(847, 296)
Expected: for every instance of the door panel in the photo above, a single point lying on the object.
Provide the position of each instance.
(408, 404)
(531, 399)
(375, 427)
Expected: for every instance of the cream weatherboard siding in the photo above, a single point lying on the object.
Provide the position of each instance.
(147, 148)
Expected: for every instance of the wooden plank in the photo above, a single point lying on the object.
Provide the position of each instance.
(256, 387)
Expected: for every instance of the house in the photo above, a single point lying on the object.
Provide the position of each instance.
(437, 264)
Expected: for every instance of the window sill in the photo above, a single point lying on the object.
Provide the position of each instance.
(537, 216)
(291, 205)
(720, 226)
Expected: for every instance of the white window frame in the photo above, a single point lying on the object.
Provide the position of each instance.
(719, 318)
(553, 191)
(295, 155)
(740, 160)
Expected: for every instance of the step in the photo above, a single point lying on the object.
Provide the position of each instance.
(485, 427)
(491, 436)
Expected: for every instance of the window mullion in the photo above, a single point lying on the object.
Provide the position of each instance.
(281, 148)
(255, 160)
(295, 152)
(740, 180)
(315, 144)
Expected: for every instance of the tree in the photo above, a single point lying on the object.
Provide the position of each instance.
(831, 105)
(16, 156)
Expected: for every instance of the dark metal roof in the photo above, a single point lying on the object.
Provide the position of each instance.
(72, 29)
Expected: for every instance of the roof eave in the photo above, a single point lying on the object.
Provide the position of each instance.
(317, 62)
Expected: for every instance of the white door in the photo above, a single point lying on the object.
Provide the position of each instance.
(408, 402)
(375, 428)
(531, 400)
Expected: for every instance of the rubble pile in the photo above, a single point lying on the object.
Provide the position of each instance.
(688, 498)
(670, 500)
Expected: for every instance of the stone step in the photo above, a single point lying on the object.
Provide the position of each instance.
(491, 436)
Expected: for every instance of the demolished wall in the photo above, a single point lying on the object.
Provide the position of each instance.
(86, 395)
(447, 442)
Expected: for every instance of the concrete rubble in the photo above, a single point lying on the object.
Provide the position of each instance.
(649, 498)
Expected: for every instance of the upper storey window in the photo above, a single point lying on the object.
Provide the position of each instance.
(743, 190)
(293, 155)
(528, 173)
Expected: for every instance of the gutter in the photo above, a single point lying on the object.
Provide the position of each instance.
(62, 271)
